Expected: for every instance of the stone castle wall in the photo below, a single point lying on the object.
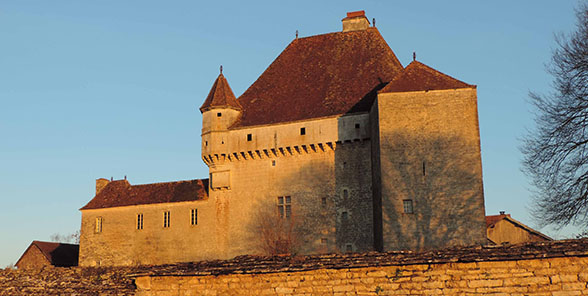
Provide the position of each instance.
(428, 154)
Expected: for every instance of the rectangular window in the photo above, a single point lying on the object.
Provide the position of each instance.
(194, 217)
(249, 137)
(139, 221)
(219, 114)
(408, 206)
(357, 125)
(98, 225)
(324, 201)
(166, 219)
(344, 216)
(284, 206)
(302, 131)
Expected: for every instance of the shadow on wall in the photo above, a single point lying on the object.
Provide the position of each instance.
(438, 179)
(295, 220)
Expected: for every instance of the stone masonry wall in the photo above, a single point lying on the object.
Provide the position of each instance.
(555, 276)
(547, 268)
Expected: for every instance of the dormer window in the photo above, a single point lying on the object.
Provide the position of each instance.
(302, 131)
(219, 114)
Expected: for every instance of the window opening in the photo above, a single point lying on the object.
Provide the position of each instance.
(357, 125)
(273, 163)
(194, 217)
(324, 201)
(424, 171)
(345, 194)
(302, 131)
(349, 248)
(219, 114)
(408, 206)
(284, 206)
(324, 241)
(249, 137)
(344, 216)
(98, 226)
(166, 219)
(139, 221)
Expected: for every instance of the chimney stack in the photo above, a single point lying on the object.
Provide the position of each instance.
(501, 212)
(355, 21)
(100, 184)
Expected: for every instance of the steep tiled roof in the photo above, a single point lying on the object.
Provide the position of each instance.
(120, 193)
(491, 220)
(220, 95)
(59, 254)
(420, 77)
(320, 76)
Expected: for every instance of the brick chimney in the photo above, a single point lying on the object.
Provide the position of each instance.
(100, 184)
(355, 21)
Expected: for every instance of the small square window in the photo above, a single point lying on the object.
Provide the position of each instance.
(344, 216)
(219, 114)
(357, 125)
(249, 137)
(302, 131)
(408, 206)
(348, 248)
(194, 217)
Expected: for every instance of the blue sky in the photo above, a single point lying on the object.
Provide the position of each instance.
(92, 89)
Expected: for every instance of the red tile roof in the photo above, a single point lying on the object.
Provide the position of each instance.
(220, 95)
(120, 193)
(420, 77)
(353, 14)
(320, 76)
(491, 220)
(59, 254)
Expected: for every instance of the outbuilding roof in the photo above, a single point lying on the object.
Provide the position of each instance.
(121, 193)
(58, 254)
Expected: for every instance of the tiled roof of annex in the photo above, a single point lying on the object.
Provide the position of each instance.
(121, 193)
(319, 76)
(58, 254)
(420, 77)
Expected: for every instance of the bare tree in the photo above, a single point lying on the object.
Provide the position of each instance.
(73, 238)
(556, 151)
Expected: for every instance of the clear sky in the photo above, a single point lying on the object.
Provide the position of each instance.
(92, 89)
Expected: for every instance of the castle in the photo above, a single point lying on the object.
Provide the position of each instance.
(336, 139)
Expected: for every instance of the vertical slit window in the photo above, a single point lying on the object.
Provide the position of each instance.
(302, 131)
(194, 217)
(166, 219)
(407, 203)
(98, 225)
(139, 221)
(249, 137)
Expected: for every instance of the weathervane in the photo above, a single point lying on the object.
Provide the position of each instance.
(221, 69)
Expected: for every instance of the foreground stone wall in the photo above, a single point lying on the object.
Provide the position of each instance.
(66, 281)
(556, 276)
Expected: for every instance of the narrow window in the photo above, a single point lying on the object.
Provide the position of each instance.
(357, 125)
(219, 114)
(139, 221)
(345, 194)
(98, 226)
(166, 219)
(273, 163)
(408, 206)
(348, 248)
(324, 201)
(284, 206)
(249, 137)
(344, 216)
(302, 131)
(194, 217)
(424, 171)
(206, 143)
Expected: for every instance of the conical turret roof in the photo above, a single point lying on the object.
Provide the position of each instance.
(220, 95)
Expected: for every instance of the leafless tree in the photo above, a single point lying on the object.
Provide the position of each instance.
(73, 238)
(556, 151)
